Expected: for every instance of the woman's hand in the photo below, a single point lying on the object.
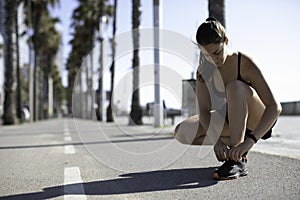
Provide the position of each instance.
(236, 152)
(221, 151)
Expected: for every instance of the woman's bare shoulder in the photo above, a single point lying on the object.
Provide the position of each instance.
(247, 59)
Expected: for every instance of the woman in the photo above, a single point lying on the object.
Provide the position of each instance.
(231, 87)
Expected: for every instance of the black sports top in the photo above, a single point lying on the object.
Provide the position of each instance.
(239, 70)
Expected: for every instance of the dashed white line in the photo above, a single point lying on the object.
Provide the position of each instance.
(66, 128)
(68, 138)
(69, 149)
(67, 134)
(73, 187)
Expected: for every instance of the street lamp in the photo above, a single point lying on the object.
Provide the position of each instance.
(99, 92)
(158, 111)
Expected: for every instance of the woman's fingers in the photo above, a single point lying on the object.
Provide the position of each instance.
(235, 154)
(232, 153)
(220, 154)
(223, 153)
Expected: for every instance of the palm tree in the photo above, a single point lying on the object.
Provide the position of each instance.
(58, 90)
(85, 23)
(52, 41)
(109, 116)
(33, 19)
(216, 9)
(9, 116)
(136, 111)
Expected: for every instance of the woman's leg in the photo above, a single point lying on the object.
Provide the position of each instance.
(244, 109)
(191, 132)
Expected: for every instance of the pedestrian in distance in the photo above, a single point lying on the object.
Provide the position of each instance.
(236, 105)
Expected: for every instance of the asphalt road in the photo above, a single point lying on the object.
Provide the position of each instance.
(80, 159)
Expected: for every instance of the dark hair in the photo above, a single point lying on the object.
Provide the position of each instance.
(210, 31)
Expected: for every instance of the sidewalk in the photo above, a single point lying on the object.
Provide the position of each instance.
(285, 140)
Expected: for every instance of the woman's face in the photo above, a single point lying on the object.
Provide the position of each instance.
(215, 53)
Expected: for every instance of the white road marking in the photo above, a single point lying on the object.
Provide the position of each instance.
(66, 129)
(67, 134)
(68, 138)
(73, 187)
(69, 149)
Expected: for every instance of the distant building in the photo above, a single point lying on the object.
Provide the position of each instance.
(189, 98)
(290, 108)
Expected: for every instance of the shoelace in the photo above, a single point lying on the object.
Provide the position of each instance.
(230, 163)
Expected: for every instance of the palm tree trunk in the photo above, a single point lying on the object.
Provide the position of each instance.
(87, 92)
(136, 111)
(46, 88)
(18, 106)
(40, 87)
(9, 116)
(216, 9)
(109, 115)
(36, 74)
(99, 91)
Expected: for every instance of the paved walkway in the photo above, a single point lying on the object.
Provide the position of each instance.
(81, 159)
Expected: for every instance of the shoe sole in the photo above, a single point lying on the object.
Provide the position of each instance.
(216, 176)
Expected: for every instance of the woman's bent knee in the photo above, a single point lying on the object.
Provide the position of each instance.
(188, 131)
(180, 135)
(237, 88)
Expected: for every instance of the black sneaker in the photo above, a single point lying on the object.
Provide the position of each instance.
(231, 170)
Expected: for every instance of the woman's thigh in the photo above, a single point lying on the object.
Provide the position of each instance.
(255, 106)
(256, 109)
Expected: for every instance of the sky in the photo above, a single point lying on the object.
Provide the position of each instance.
(268, 31)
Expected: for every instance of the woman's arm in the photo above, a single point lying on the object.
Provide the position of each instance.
(251, 72)
(204, 104)
(213, 130)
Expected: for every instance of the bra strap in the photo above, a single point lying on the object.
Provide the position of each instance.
(239, 66)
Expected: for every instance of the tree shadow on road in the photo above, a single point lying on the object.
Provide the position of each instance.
(162, 180)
